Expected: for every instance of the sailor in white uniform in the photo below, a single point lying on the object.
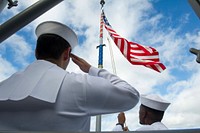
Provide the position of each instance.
(151, 112)
(45, 97)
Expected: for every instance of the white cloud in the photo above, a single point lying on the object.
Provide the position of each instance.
(184, 111)
(20, 49)
(6, 69)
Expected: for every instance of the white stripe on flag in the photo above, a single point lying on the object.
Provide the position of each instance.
(134, 46)
(125, 48)
(148, 66)
(119, 43)
(115, 35)
(148, 49)
(139, 60)
(145, 57)
(158, 67)
(137, 51)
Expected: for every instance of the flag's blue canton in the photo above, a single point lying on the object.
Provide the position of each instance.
(105, 20)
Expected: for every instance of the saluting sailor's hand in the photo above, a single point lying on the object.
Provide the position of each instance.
(83, 65)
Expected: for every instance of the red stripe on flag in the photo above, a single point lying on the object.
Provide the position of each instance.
(135, 53)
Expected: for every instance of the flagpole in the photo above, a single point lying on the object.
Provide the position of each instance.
(100, 60)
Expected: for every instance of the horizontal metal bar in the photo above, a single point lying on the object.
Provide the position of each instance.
(195, 4)
(25, 17)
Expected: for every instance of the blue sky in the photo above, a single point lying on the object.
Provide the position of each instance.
(170, 26)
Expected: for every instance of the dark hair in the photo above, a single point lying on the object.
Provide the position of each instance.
(50, 46)
(155, 115)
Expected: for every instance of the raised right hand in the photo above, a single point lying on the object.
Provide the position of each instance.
(83, 65)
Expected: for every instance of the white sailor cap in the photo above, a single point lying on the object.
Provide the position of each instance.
(154, 101)
(52, 27)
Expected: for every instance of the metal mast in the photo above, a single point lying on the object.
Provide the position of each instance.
(100, 60)
(25, 17)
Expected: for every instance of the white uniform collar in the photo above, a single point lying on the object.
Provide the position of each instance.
(41, 80)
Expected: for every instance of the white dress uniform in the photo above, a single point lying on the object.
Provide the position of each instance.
(154, 126)
(155, 102)
(118, 128)
(45, 97)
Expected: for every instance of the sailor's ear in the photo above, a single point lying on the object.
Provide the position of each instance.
(67, 53)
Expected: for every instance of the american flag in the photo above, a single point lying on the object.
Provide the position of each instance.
(135, 53)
